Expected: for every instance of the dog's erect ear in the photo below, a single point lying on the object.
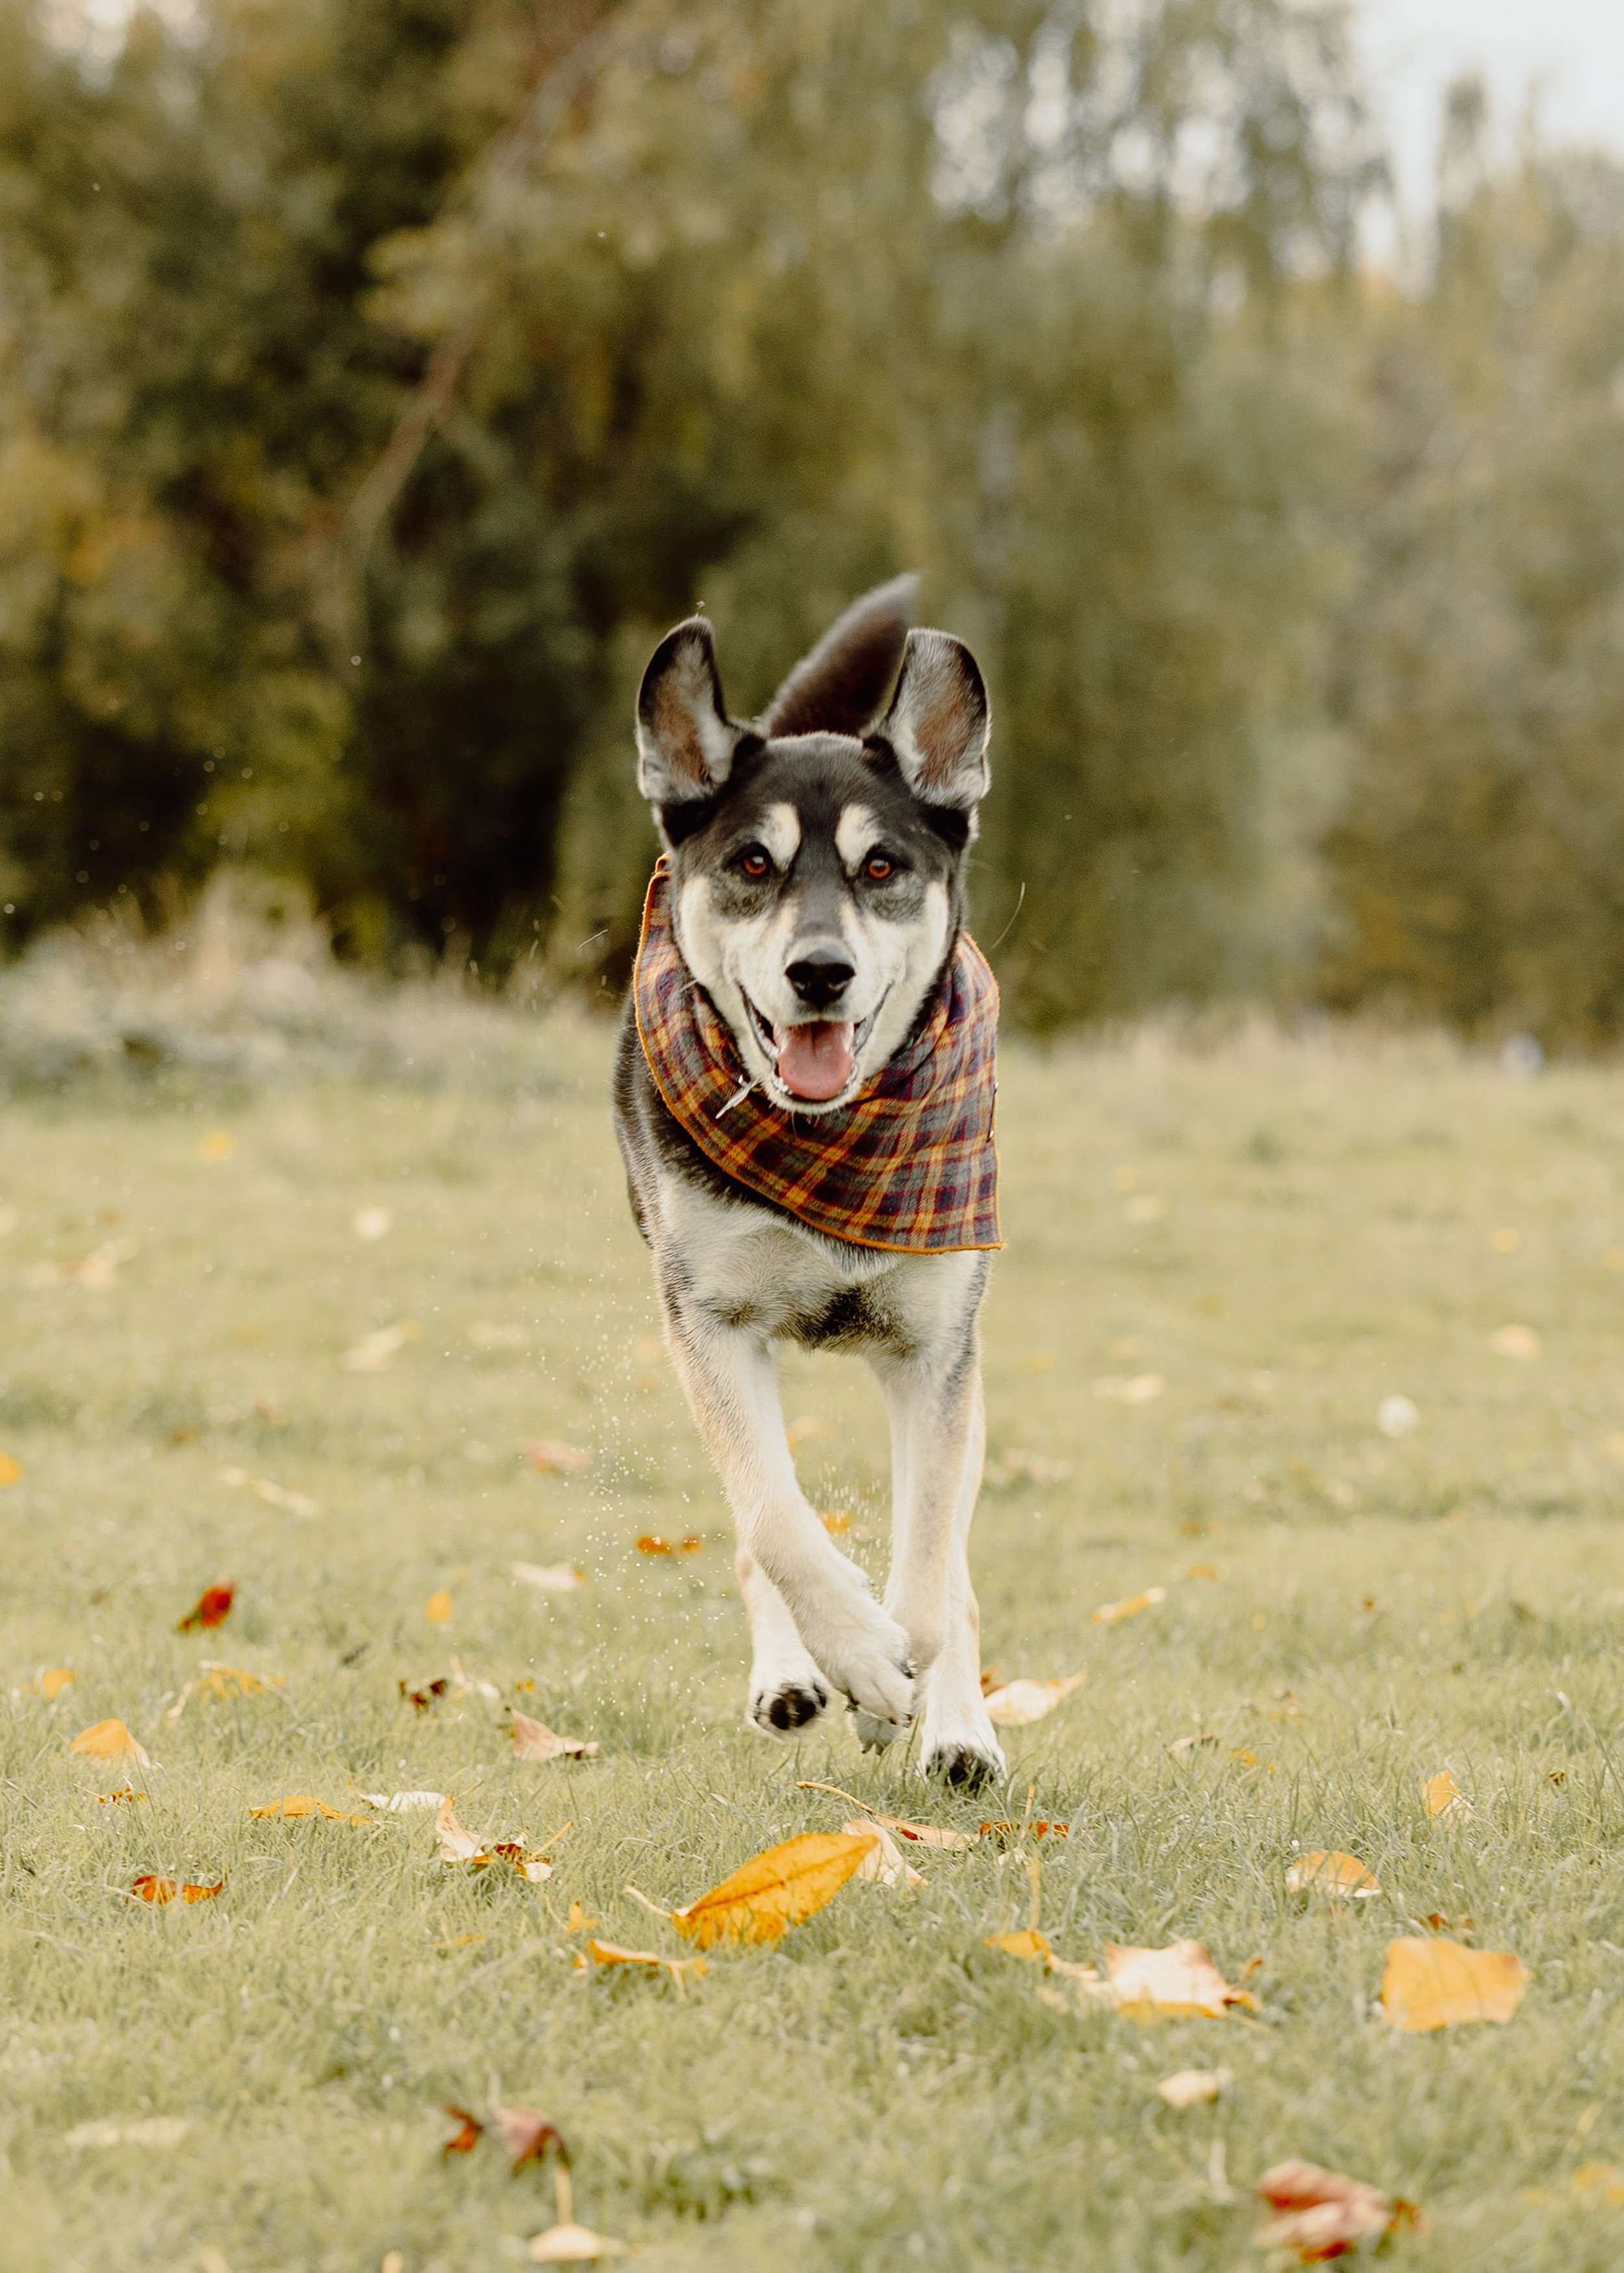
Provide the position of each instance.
(685, 740)
(838, 689)
(939, 721)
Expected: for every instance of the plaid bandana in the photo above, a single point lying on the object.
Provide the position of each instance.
(910, 1165)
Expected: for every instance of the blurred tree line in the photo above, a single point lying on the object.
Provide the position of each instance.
(378, 378)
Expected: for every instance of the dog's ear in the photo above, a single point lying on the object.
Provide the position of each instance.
(838, 689)
(685, 740)
(939, 721)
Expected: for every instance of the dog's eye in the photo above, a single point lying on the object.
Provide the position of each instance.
(878, 867)
(754, 863)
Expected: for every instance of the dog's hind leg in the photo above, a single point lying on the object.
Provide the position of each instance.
(787, 1691)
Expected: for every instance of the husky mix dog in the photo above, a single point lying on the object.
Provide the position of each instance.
(815, 861)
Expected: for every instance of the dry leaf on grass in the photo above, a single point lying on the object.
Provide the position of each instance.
(927, 1834)
(550, 1458)
(1332, 1872)
(300, 1805)
(402, 1803)
(1111, 1614)
(54, 1680)
(428, 1693)
(1180, 1979)
(1042, 1829)
(1191, 2086)
(1520, 1342)
(534, 1740)
(212, 1607)
(524, 2135)
(1028, 1943)
(651, 1544)
(127, 1797)
(1605, 2179)
(774, 1891)
(1442, 1985)
(439, 1608)
(376, 1350)
(1017, 1704)
(456, 1845)
(467, 2134)
(1320, 2214)
(144, 2131)
(885, 1865)
(109, 1740)
(1442, 1796)
(147, 1888)
(611, 1953)
(220, 1681)
(297, 1503)
(550, 1578)
(11, 1470)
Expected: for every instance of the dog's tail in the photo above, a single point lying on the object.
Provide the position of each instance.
(841, 686)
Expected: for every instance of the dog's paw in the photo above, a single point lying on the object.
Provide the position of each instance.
(967, 1767)
(787, 1706)
(874, 1733)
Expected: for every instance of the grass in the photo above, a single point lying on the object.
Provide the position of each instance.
(882, 2089)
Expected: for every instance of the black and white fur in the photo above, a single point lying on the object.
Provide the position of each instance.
(816, 860)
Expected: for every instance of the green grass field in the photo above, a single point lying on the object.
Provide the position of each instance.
(1283, 1236)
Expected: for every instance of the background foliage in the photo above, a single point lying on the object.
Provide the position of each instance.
(377, 381)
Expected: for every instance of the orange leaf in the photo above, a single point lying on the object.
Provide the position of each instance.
(52, 1684)
(216, 1144)
(836, 1518)
(775, 1890)
(526, 2135)
(1441, 1983)
(437, 1608)
(467, 2134)
(1334, 1872)
(1004, 1832)
(1442, 1796)
(652, 1543)
(1111, 1614)
(11, 1470)
(534, 1740)
(1180, 1979)
(1320, 2213)
(109, 1740)
(151, 1889)
(299, 1805)
(1019, 1703)
(1192, 2085)
(212, 1607)
(220, 1681)
(126, 1797)
(611, 1953)
(1029, 1943)
(456, 1845)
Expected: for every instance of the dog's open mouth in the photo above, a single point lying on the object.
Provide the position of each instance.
(814, 1060)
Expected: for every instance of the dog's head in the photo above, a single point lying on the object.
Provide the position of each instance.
(818, 854)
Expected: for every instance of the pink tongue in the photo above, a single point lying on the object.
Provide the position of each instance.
(814, 1061)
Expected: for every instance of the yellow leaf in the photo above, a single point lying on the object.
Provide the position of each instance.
(611, 1953)
(1192, 2085)
(1019, 1703)
(109, 1740)
(885, 1865)
(437, 1608)
(9, 1470)
(775, 1890)
(216, 1144)
(1029, 1944)
(1321, 1872)
(1504, 1243)
(1443, 1796)
(50, 1684)
(1181, 1979)
(300, 1805)
(1109, 1614)
(1439, 1985)
(454, 1844)
(1605, 2179)
(220, 1681)
(534, 1740)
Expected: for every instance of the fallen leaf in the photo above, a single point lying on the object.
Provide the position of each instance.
(376, 1350)
(651, 1544)
(548, 1457)
(1439, 1923)
(551, 1578)
(51, 1683)
(430, 1693)
(220, 1681)
(1605, 2179)
(439, 1608)
(524, 2135)
(611, 1953)
(1180, 1979)
(125, 1798)
(146, 2131)
(578, 1922)
(534, 1740)
(1520, 1342)
(836, 1520)
(1320, 2214)
(299, 1805)
(1504, 1243)
(11, 1470)
(469, 1684)
(1003, 1831)
(402, 1803)
(1439, 1985)
(1332, 1872)
(1028, 1944)
(884, 1865)
(1019, 1703)
(371, 1222)
(1134, 1389)
(454, 1844)
(467, 2134)
(155, 1890)
(216, 1144)
(569, 2244)
(273, 1495)
(1111, 1614)
(212, 1607)
(109, 1740)
(1181, 1745)
(1200, 1571)
(1442, 1796)
(96, 1272)
(775, 1890)
(928, 1834)
(1192, 2085)
(1239, 1752)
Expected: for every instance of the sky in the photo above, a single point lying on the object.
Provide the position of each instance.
(1573, 51)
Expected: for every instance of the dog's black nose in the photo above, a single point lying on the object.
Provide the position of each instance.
(819, 976)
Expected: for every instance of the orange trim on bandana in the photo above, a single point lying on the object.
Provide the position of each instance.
(910, 1165)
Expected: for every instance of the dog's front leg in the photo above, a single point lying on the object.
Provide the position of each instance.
(731, 1380)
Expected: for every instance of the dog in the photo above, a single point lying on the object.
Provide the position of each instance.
(804, 1103)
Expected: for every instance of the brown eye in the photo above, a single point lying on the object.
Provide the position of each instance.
(754, 863)
(878, 867)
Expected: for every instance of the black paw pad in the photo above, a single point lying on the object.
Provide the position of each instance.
(793, 1709)
(959, 1765)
